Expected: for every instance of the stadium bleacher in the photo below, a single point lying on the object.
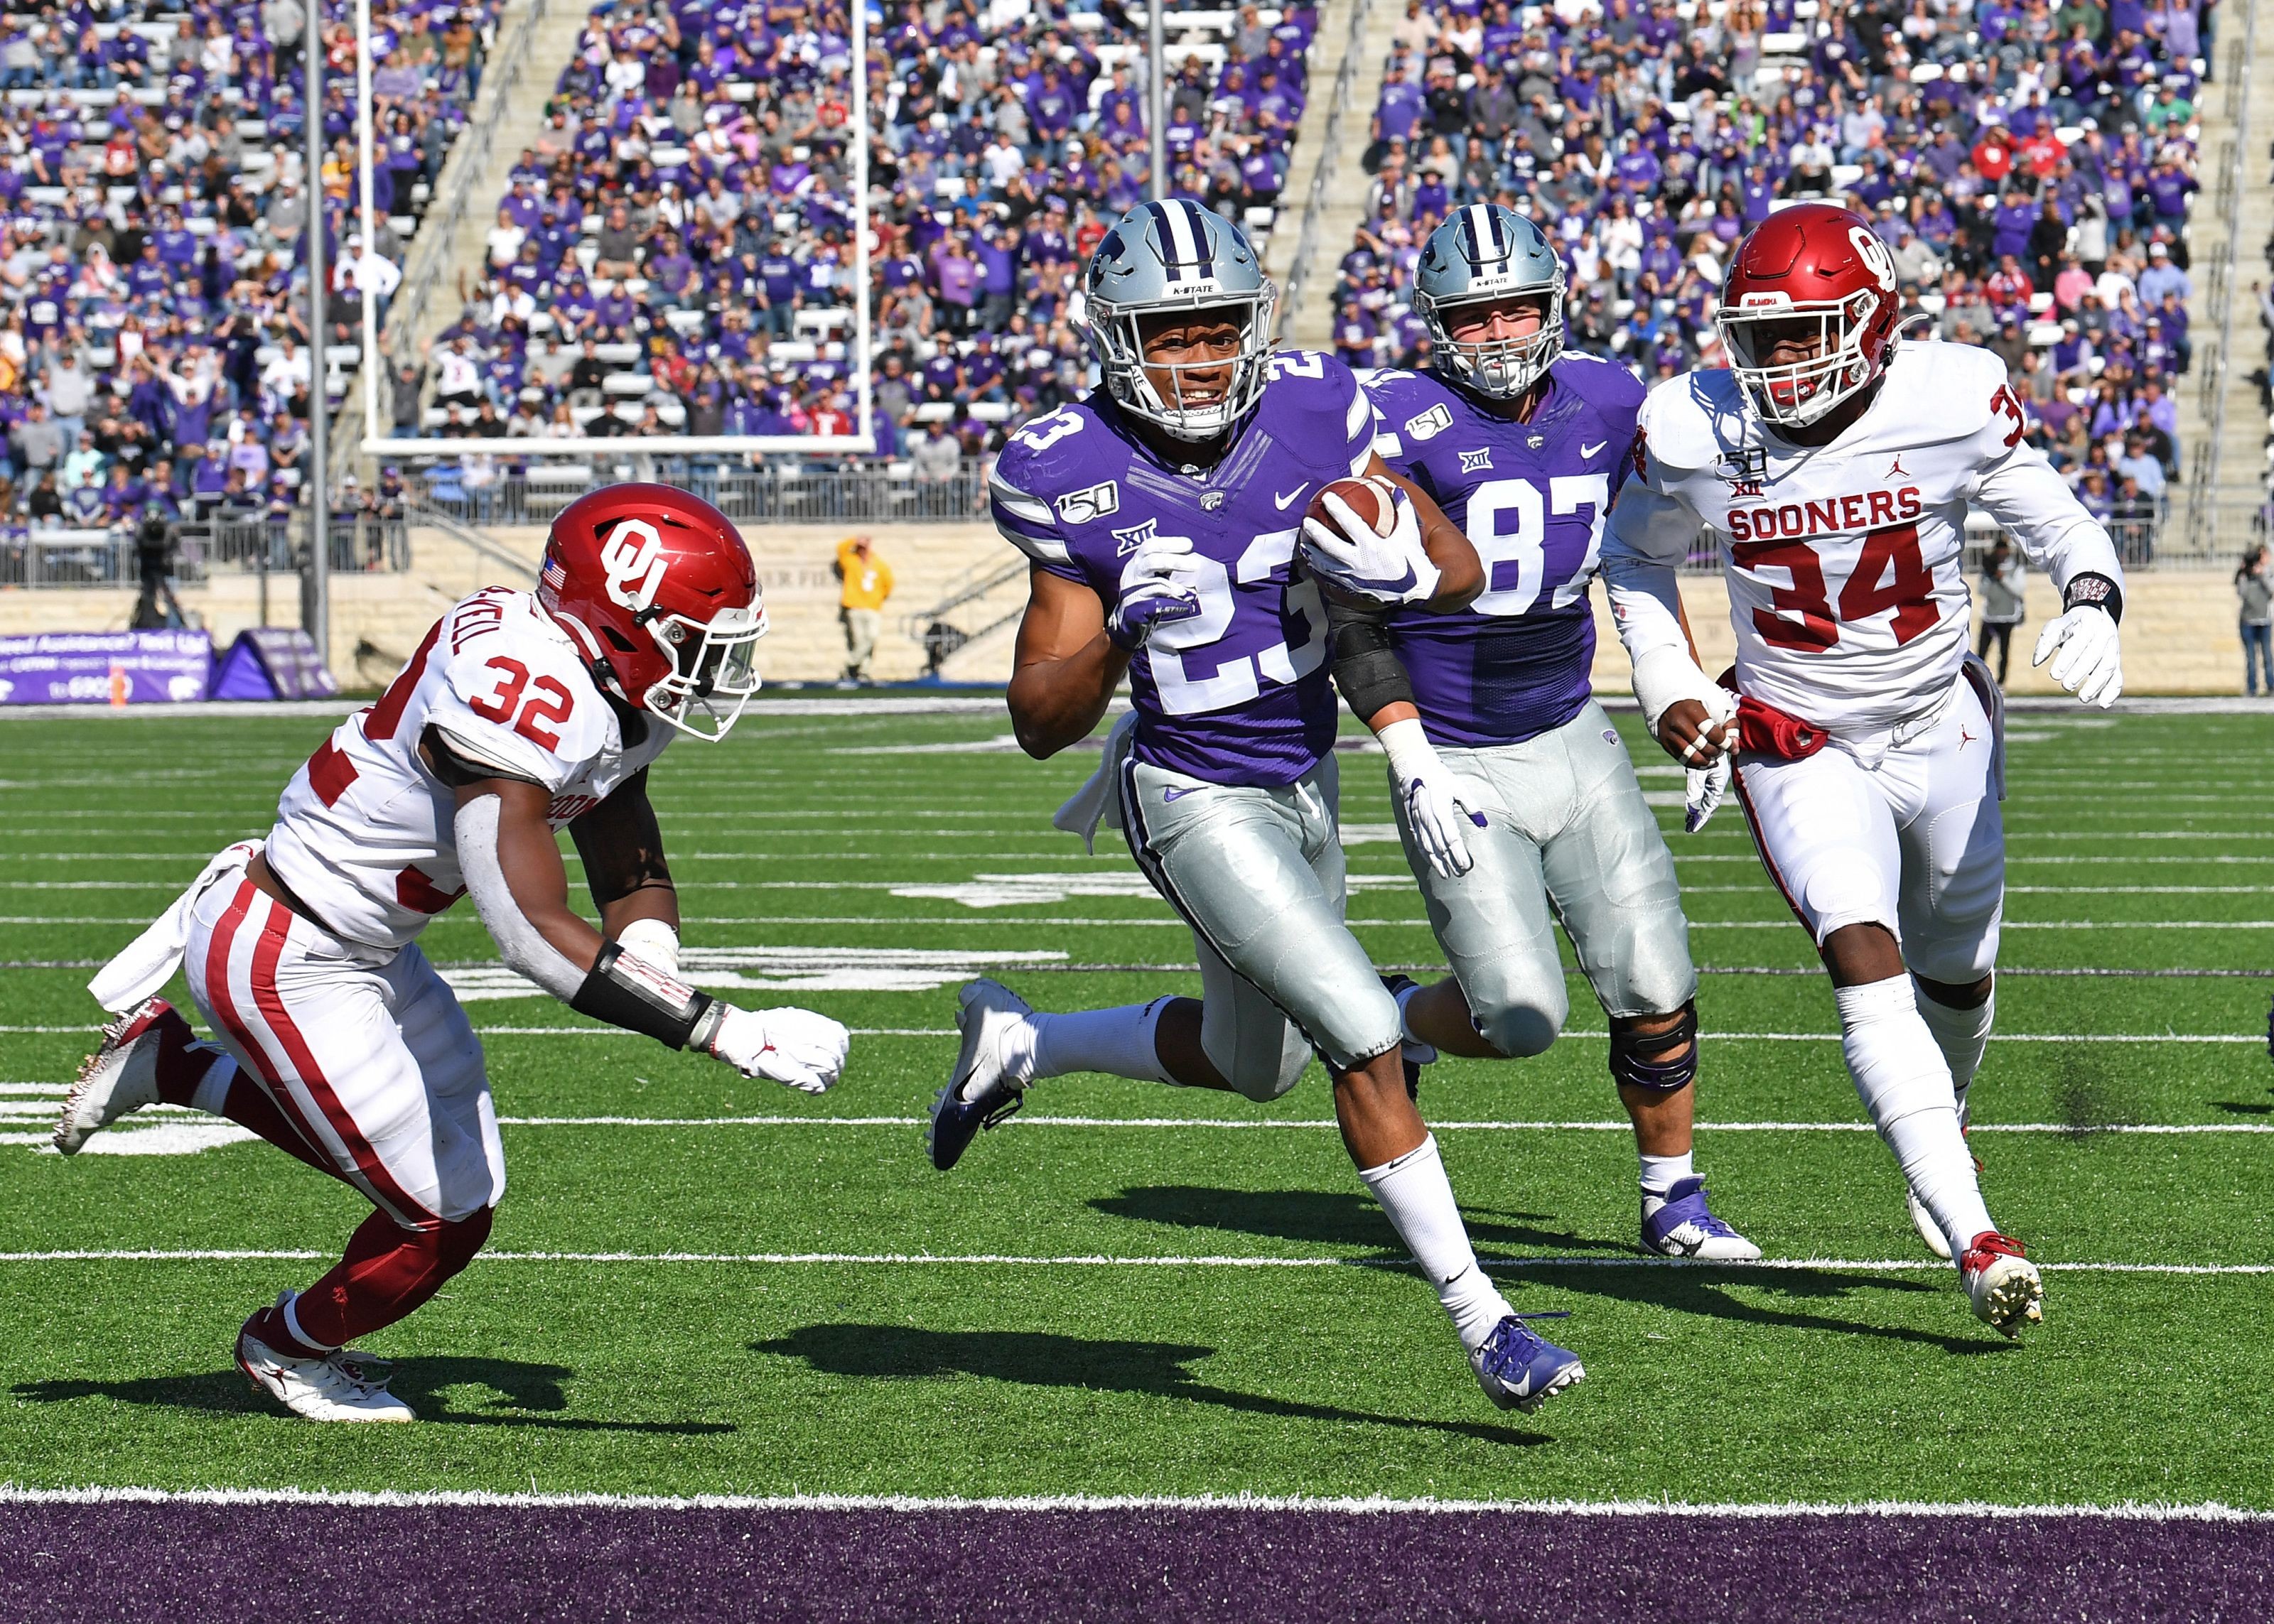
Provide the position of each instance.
(2031, 167)
(675, 252)
(156, 356)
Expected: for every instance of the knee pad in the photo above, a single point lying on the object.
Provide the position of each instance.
(1518, 1031)
(1640, 1060)
(1519, 1014)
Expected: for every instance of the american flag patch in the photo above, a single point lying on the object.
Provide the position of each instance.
(553, 575)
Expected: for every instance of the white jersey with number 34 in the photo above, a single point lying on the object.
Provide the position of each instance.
(364, 833)
(1844, 561)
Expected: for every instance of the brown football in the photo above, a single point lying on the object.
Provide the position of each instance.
(1374, 502)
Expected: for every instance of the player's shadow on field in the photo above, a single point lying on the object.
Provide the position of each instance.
(1046, 1359)
(1702, 1289)
(1323, 1217)
(516, 1389)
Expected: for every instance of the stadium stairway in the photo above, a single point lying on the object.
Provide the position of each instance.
(1327, 49)
(2243, 465)
(1343, 208)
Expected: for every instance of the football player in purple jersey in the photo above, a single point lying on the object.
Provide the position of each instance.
(1163, 518)
(1513, 793)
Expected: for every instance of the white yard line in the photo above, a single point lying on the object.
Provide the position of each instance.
(931, 1260)
(1656, 1510)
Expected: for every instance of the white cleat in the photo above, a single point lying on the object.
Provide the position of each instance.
(2002, 1283)
(344, 1386)
(121, 1076)
(980, 1093)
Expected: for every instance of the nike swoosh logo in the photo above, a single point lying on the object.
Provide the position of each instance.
(1280, 503)
(1587, 451)
(1167, 796)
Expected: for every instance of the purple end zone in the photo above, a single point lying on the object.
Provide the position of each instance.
(185, 1562)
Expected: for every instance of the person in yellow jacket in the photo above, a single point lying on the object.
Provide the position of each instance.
(867, 582)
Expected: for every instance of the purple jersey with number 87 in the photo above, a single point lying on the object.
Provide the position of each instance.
(1533, 499)
(1239, 693)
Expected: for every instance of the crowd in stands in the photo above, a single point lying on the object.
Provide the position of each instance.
(674, 254)
(156, 356)
(2030, 165)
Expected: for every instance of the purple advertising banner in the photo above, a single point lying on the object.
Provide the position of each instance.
(118, 668)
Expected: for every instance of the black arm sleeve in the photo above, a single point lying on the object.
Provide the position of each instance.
(1367, 667)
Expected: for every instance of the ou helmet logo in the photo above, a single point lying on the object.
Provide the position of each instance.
(1874, 254)
(633, 558)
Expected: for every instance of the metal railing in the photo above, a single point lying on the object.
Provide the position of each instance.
(1315, 202)
(777, 494)
(257, 545)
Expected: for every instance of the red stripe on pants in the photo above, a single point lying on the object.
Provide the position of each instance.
(224, 1009)
(266, 953)
(1761, 845)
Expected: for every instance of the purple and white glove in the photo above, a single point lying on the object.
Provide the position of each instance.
(1350, 556)
(1155, 590)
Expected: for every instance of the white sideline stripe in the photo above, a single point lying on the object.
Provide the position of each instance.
(1876, 1265)
(960, 922)
(2123, 1511)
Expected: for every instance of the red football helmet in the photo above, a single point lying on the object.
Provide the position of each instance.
(1819, 275)
(657, 587)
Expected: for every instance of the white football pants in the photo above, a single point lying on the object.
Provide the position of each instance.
(1916, 844)
(367, 1052)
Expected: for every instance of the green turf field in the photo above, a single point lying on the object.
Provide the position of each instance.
(1174, 1292)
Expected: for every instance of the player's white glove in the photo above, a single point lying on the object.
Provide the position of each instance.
(1436, 807)
(1156, 589)
(1352, 557)
(796, 1047)
(1702, 790)
(2090, 663)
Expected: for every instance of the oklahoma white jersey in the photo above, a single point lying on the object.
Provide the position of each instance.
(1844, 561)
(365, 834)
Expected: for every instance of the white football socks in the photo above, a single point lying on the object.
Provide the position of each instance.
(1906, 1087)
(1961, 1035)
(1418, 1197)
(1119, 1041)
(1661, 1174)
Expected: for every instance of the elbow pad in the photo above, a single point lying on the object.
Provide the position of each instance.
(1367, 667)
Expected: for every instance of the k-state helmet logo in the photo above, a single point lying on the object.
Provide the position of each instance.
(1081, 507)
(1430, 423)
(634, 558)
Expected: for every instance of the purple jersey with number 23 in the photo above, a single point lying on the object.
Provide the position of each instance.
(1533, 499)
(1238, 693)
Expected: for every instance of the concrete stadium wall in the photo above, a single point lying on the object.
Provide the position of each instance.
(2179, 626)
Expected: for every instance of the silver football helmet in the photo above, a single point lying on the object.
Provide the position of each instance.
(1173, 256)
(1487, 252)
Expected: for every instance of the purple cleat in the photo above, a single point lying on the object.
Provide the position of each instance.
(1519, 1369)
(1684, 1226)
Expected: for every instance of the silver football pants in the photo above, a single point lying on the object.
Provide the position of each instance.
(1257, 873)
(1567, 829)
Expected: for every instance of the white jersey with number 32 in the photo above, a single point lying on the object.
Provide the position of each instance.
(1844, 561)
(364, 833)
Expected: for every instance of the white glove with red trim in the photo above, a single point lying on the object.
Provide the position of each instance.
(795, 1047)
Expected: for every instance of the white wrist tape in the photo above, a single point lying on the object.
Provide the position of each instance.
(653, 941)
(1666, 675)
(1408, 748)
